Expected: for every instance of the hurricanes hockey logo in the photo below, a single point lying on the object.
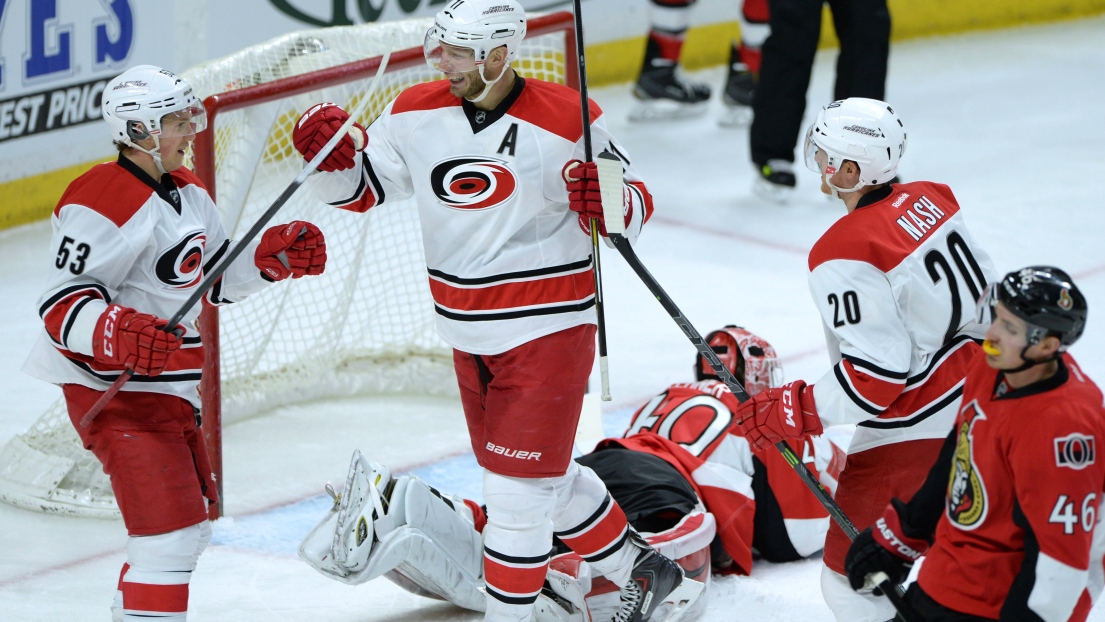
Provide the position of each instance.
(473, 183)
(966, 501)
(181, 265)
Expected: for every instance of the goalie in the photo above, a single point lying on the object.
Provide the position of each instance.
(686, 479)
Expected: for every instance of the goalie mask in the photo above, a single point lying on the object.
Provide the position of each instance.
(479, 26)
(749, 357)
(865, 131)
(149, 102)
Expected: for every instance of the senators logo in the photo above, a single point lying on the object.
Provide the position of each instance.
(966, 502)
(473, 183)
(182, 265)
(1075, 451)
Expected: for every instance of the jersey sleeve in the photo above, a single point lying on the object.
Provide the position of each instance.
(92, 260)
(637, 200)
(1058, 484)
(378, 175)
(242, 277)
(859, 311)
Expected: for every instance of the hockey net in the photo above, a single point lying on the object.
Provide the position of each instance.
(367, 324)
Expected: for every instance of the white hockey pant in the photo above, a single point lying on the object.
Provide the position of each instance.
(153, 584)
(850, 606)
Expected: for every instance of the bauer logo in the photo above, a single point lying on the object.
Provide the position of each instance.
(473, 182)
(180, 266)
(1075, 451)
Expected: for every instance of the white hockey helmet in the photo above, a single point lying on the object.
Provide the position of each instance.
(865, 131)
(479, 25)
(136, 101)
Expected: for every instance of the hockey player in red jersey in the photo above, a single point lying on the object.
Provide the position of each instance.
(682, 473)
(1009, 517)
(493, 162)
(133, 239)
(895, 280)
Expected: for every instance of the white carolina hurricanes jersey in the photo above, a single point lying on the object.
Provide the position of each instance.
(896, 282)
(692, 426)
(120, 237)
(506, 259)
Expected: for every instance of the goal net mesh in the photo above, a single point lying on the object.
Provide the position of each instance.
(366, 325)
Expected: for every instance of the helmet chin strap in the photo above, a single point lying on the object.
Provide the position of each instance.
(155, 153)
(836, 190)
(487, 83)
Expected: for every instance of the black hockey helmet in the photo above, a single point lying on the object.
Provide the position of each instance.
(1046, 298)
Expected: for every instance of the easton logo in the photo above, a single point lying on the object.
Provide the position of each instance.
(1075, 451)
(181, 265)
(473, 183)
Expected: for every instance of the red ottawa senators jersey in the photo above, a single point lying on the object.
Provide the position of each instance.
(692, 427)
(1017, 539)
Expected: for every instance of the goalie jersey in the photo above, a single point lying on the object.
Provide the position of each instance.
(691, 426)
(120, 237)
(506, 259)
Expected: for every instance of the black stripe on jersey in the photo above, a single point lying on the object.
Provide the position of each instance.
(377, 187)
(1016, 606)
(53, 300)
(356, 193)
(507, 276)
(210, 264)
(191, 341)
(591, 520)
(608, 551)
(886, 373)
(943, 403)
(193, 376)
(841, 377)
(513, 315)
(76, 309)
(511, 600)
(515, 559)
(618, 153)
(941, 354)
(214, 295)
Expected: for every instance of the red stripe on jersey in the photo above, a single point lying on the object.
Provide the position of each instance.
(605, 532)
(512, 580)
(942, 379)
(556, 289)
(881, 393)
(425, 96)
(185, 177)
(126, 193)
(553, 108)
(155, 598)
(55, 317)
(891, 229)
(640, 186)
(183, 360)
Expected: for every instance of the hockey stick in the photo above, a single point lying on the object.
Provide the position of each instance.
(585, 111)
(210, 279)
(610, 168)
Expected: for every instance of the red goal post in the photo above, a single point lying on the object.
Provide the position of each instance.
(556, 26)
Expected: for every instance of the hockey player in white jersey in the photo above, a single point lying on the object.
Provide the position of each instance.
(895, 280)
(493, 162)
(132, 241)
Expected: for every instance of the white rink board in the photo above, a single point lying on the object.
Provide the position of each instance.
(1010, 120)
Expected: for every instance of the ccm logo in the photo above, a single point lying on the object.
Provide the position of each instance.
(1075, 451)
(109, 328)
(514, 453)
(788, 407)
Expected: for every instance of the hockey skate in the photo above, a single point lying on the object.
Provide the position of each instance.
(657, 590)
(740, 86)
(775, 181)
(664, 94)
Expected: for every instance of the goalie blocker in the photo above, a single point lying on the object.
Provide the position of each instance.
(430, 544)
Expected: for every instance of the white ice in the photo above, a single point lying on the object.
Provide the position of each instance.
(1012, 120)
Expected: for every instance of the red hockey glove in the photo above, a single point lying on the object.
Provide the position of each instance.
(135, 340)
(296, 249)
(778, 414)
(885, 548)
(584, 195)
(317, 126)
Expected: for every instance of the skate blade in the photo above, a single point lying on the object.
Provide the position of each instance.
(665, 109)
(771, 192)
(678, 602)
(735, 116)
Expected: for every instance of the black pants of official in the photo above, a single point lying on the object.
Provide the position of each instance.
(863, 27)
